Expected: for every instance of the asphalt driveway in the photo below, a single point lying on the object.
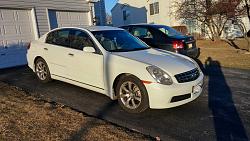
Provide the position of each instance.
(222, 112)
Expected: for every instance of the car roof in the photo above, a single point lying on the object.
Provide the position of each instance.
(102, 28)
(92, 28)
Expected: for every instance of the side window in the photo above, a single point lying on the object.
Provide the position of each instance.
(80, 39)
(51, 38)
(62, 38)
(59, 37)
(142, 32)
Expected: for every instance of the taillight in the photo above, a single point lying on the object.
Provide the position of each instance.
(28, 46)
(178, 44)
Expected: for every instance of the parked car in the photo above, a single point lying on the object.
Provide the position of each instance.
(111, 61)
(166, 38)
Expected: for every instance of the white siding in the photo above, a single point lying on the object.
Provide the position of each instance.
(139, 12)
(134, 15)
(246, 22)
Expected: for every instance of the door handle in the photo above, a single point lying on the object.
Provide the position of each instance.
(45, 49)
(70, 54)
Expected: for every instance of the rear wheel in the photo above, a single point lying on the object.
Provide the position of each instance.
(42, 71)
(132, 95)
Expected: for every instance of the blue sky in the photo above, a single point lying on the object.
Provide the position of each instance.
(109, 4)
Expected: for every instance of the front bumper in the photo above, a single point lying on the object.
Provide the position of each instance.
(161, 96)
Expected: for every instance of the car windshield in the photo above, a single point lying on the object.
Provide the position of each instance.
(169, 31)
(119, 41)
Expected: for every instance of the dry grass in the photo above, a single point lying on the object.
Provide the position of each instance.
(24, 117)
(226, 54)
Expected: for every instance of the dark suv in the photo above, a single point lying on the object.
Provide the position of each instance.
(164, 37)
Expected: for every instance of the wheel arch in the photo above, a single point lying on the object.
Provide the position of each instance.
(34, 63)
(117, 79)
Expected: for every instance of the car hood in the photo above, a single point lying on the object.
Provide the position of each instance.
(170, 62)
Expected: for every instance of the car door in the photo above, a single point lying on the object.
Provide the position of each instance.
(86, 68)
(144, 34)
(57, 44)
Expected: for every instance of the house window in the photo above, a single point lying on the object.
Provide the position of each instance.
(124, 15)
(154, 8)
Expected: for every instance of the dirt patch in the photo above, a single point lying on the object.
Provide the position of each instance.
(226, 54)
(23, 117)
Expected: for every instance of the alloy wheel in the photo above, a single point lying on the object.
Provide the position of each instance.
(41, 70)
(130, 95)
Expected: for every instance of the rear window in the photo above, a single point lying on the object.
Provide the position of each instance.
(169, 31)
(59, 37)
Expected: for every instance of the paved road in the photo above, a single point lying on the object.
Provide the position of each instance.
(221, 113)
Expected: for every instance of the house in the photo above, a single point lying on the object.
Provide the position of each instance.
(100, 13)
(161, 12)
(144, 11)
(22, 21)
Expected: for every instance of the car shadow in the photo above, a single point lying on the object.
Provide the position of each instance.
(227, 122)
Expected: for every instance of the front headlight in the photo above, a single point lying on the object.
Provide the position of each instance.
(159, 75)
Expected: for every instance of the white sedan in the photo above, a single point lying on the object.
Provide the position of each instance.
(111, 61)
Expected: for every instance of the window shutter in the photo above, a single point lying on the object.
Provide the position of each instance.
(151, 8)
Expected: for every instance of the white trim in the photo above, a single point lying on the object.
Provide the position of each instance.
(47, 13)
(34, 23)
(90, 18)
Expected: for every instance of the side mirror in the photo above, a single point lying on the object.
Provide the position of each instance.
(89, 49)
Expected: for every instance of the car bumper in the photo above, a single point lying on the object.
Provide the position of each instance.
(193, 53)
(164, 96)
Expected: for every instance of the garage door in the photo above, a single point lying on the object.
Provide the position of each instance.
(67, 19)
(15, 33)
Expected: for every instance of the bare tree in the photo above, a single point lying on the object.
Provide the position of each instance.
(247, 5)
(213, 14)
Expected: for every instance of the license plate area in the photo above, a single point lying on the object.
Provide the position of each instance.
(190, 45)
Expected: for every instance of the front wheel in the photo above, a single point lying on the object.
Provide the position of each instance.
(132, 95)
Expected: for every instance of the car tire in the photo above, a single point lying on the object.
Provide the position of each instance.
(132, 94)
(42, 71)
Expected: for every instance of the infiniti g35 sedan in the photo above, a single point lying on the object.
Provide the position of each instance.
(113, 62)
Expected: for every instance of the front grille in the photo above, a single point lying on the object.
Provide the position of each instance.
(188, 76)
